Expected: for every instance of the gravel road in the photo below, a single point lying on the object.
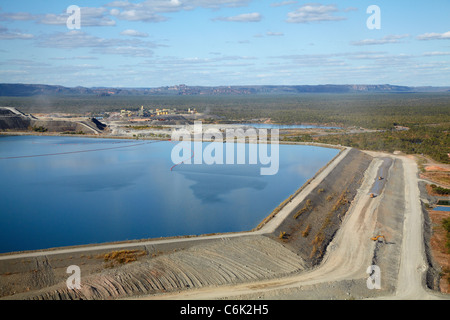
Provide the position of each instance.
(252, 265)
(343, 270)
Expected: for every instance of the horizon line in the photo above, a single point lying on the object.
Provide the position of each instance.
(229, 85)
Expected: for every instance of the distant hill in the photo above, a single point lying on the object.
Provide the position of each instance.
(24, 90)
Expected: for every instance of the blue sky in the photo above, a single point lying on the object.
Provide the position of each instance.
(156, 43)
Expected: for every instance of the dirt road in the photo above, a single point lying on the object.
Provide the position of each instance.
(351, 252)
(346, 257)
(253, 266)
(269, 227)
(413, 264)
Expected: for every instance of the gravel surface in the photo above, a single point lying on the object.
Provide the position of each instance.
(260, 265)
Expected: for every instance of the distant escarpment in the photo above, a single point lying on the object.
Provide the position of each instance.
(28, 90)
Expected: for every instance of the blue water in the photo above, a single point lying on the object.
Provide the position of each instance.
(281, 126)
(442, 209)
(61, 191)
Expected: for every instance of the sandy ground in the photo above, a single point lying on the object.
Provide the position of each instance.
(313, 223)
(42, 274)
(251, 265)
(349, 255)
(440, 253)
(413, 264)
(433, 172)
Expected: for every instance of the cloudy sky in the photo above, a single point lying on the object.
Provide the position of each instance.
(156, 43)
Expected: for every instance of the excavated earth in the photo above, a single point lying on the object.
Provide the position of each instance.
(297, 245)
(14, 120)
(159, 269)
(314, 222)
(186, 265)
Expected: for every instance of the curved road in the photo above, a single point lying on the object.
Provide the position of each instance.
(351, 251)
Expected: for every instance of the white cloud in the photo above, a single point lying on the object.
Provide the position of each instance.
(434, 36)
(15, 35)
(269, 34)
(212, 4)
(89, 17)
(314, 60)
(150, 10)
(436, 53)
(314, 13)
(134, 33)
(79, 39)
(16, 16)
(274, 34)
(149, 5)
(283, 3)
(6, 34)
(350, 9)
(386, 40)
(138, 15)
(74, 58)
(127, 51)
(25, 63)
(378, 58)
(245, 17)
(195, 61)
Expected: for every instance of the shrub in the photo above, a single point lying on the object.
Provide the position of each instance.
(440, 190)
(446, 225)
(283, 235)
(307, 207)
(123, 256)
(305, 233)
(341, 201)
(40, 129)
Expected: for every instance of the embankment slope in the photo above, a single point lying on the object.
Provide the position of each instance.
(12, 119)
(313, 223)
(209, 263)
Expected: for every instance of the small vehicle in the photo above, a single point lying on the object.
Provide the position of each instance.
(377, 238)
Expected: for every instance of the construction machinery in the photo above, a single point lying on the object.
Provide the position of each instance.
(377, 238)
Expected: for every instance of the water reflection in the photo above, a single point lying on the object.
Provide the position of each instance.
(212, 187)
(131, 193)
